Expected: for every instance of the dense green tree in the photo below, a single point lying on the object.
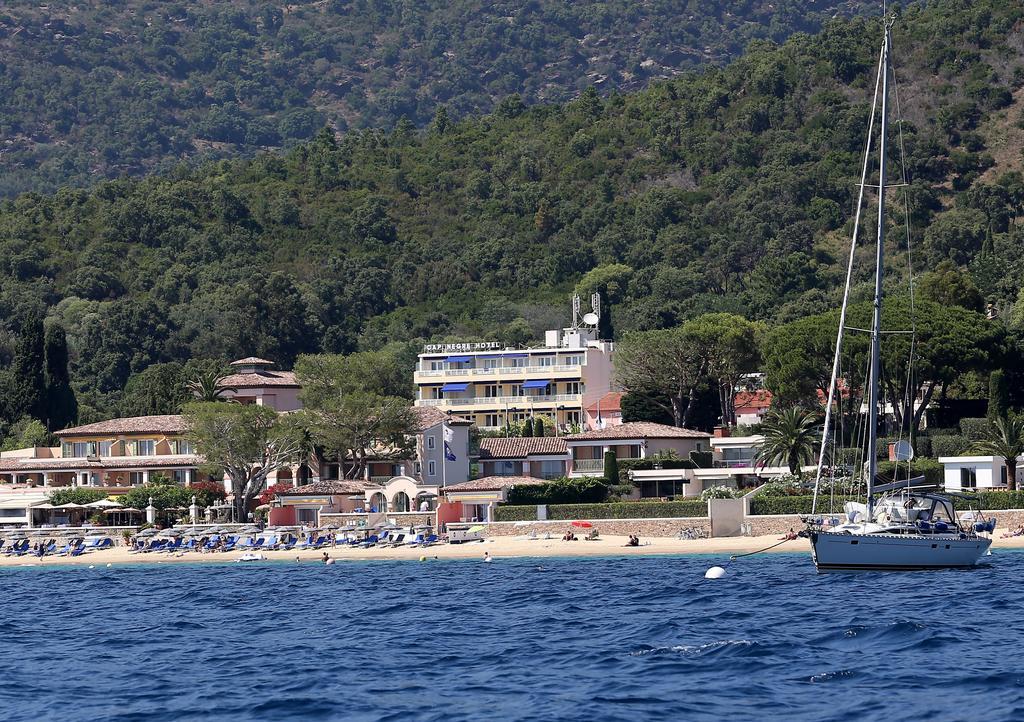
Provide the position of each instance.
(248, 442)
(28, 370)
(156, 390)
(949, 286)
(61, 404)
(998, 395)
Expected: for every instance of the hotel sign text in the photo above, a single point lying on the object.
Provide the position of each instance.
(448, 347)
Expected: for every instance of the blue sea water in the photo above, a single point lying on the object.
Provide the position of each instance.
(532, 639)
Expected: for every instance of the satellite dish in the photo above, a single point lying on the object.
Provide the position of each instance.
(902, 451)
(590, 319)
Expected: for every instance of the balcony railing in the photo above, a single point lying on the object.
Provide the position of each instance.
(381, 479)
(520, 403)
(503, 370)
(588, 465)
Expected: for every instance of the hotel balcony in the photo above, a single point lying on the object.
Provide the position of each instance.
(500, 403)
(501, 373)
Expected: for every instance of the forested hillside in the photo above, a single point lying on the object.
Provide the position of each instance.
(95, 90)
(727, 190)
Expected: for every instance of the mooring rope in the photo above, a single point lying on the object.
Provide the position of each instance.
(737, 556)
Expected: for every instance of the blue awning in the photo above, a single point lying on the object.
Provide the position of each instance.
(516, 355)
(455, 387)
(535, 384)
(458, 359)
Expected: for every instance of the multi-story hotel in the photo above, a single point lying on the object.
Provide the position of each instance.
(494, 386)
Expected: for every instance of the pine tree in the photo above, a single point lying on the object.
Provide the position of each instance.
(61, 404)
(28, 370)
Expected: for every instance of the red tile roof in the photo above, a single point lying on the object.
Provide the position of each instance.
(107, 462)
(258, 379)
(493, 483)
(760, 399)
(429, 416)
(171, 424)
(639, 430)
(344, 486)
(611, 401)
(521, 447)
(251, 361)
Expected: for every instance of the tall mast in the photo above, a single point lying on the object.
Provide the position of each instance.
(876, 321)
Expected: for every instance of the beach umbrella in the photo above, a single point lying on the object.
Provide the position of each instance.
(68, 506)
(148, 532)
(582, 524)
(103, 504)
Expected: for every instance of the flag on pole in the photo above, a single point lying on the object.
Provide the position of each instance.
(449, 436)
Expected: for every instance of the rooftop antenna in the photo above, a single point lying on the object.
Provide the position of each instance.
(575, 311)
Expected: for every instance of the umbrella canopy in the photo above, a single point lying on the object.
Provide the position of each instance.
(582, 524)
(69, 506)
(148, 532)
(103, 504)
(45, 506)
(122, 510)
(475, 529)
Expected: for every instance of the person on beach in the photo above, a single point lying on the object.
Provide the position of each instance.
(789, 536)
(634, 541)
(1019, 531)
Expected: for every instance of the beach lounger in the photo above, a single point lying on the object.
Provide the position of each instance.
(369, 541)
(430, 540)
(416, 541)
(396, 540)
(78, 550)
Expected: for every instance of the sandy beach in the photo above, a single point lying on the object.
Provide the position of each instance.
(499, 547)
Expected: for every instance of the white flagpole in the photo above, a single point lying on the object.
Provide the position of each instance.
(444, 453)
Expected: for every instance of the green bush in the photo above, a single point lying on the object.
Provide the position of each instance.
(974, 428)
(166, 496)
(515, 513)
(950, 445)
(560, 491)
(651, 462)
(930, 469)
(761, 505)
(77, 495)
(923, 446)
(702, 459)
(628, 510)
(996, 499)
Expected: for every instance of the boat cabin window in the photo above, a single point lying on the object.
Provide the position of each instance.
(942, 511)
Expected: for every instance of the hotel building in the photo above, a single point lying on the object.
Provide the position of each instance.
(494, 386)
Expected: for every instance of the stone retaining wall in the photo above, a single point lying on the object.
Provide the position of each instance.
(612, 527)
(773, 524)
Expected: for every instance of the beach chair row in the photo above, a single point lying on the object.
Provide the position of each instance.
(73, 548)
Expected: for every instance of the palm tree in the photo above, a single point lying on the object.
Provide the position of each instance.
(791, 437)
(207, 385)
(1005, 439)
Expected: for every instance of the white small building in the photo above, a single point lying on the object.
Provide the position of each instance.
(976, 472)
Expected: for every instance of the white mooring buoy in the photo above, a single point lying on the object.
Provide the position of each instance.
(714, 573)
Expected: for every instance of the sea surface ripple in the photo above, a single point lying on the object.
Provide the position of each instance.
(518, 639)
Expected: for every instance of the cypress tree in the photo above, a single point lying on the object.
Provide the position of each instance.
(61, 404)
(28, 370)
(998, 395)
(527, 428)
(538, 426)
(611, 467)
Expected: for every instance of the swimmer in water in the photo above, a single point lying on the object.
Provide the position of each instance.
(326, 557)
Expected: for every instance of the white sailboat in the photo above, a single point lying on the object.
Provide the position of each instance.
(902, 525)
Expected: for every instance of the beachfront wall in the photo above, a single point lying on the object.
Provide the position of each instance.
(614, 527)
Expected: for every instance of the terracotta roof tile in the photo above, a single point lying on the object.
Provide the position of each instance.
(428, 416)
(259, 378)
(611, 401)
(344, 486)
(171, 424)
(639, 430)
(760, 399)
(493, 483)
(521, 447)
(251, 361)
(107, 462)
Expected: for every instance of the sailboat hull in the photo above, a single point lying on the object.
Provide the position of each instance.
(894, 552)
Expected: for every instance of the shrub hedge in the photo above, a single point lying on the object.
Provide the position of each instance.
(930, 469)
(950, 445)
(615, 510)
(761, 505)
(515, 513)
(974, 428)
(990, 500)
(628, 510)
